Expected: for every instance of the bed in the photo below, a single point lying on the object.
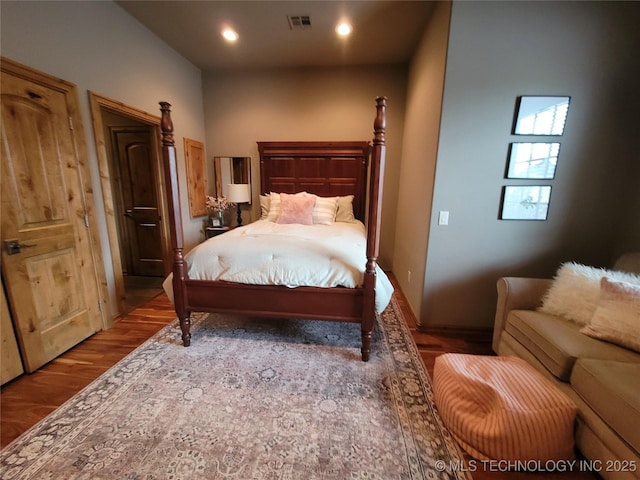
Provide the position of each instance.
(348, 170)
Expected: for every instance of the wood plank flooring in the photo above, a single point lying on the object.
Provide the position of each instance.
(29, 398)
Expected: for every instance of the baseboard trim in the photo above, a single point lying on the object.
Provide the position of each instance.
(480, 333)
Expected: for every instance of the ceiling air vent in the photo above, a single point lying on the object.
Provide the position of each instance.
(299, 22)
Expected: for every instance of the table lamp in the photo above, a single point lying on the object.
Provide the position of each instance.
(238, 193)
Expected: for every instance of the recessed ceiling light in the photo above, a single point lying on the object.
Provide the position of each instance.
(230, 35)
(343, 29)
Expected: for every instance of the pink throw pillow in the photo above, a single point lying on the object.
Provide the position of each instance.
(617, 316)
(296, 209)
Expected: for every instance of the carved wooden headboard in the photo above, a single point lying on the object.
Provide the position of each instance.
(326, 169)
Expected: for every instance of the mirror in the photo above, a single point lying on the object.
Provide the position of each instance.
(537, 115)
(533, 160)
(225, 170)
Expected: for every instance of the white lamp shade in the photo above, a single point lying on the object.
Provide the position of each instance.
(238, 192)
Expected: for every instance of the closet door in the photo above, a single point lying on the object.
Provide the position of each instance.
(10, 363)
(47, 256)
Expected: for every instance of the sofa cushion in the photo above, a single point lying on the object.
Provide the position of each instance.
(557, 343)
(611, 390)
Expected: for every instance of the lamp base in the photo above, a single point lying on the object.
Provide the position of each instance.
(239, 216)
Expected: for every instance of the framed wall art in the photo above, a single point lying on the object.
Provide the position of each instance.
(540, 115)
(532, 160)
(525, 202)
(194, 159)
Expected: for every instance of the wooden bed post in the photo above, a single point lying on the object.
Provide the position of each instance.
(175, 220)
(373, 223)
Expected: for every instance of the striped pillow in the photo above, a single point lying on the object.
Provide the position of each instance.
(324, 211)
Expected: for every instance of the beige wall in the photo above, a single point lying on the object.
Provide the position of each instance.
(498, 51)
(99, 47)
(306, 104)
(419, 150)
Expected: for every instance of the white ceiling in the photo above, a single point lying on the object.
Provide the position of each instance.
(384, 32)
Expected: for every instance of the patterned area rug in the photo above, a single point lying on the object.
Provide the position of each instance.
(250, 399)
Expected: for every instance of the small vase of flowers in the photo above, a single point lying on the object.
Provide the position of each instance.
(216, 209)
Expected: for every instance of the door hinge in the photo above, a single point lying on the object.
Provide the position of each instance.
(86, 220)
(99, 305)
(70, 123)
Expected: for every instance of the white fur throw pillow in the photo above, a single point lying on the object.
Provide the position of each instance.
(617, 316)
(575, 291)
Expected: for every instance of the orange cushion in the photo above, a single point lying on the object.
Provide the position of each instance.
(501, 408)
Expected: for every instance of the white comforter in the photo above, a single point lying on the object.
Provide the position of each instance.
(267, 253)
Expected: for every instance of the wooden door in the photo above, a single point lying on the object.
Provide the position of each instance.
(47, 251)
(141, 241)
(10, 362)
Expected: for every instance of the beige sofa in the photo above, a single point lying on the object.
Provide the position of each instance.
(603, 379)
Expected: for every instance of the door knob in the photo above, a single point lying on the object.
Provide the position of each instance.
(14, 246)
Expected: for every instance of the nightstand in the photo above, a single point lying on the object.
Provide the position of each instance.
(215, 231)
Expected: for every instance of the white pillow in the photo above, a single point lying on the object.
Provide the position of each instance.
(575, 291)
(617, 316)
(345, 209)
(265, 201)
(324, 210)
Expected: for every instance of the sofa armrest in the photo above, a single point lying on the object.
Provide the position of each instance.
(516, 293)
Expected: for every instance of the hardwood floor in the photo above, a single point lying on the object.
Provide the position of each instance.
(31, 397)
(431, 346)
(139, 290)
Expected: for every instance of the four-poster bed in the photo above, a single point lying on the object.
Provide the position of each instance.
(322, 169)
